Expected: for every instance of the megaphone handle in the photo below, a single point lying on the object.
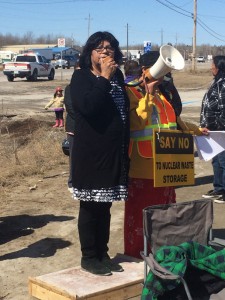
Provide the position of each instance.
(147, 91)
(152, 85)
(146, 86)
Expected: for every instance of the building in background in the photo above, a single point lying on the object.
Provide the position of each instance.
(51, 51)
(6, 56)
(64, 51)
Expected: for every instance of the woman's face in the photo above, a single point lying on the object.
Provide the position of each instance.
(214, 69)
(103, 50)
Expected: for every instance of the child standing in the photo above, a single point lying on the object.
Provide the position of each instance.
(57, 104)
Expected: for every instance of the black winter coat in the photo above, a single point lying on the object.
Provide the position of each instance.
(70, 116)
(213, 106)
(100, 153)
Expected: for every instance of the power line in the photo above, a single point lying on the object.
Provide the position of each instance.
(178, 7)
(47, 3)
(186, 13)
(189, 16)
(203, 27)
(220, 1)
(202, 23)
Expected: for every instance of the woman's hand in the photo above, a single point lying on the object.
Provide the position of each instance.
(204, 130)
(149, 82)
(108, 67)
(151, 86)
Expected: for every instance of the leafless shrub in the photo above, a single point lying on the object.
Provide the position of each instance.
(41, 152)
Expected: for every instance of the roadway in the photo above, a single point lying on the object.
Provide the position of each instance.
(23, 97)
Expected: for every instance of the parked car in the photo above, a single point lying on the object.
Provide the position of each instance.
(67, 61)
(201, 59)
(60, 63)
(30, 66)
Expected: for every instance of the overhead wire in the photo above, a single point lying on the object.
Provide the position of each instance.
(47, 3)
(205, 28)
(199, 22)
(178, 7)
(182, 13)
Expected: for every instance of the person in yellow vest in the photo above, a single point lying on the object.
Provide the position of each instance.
(149, 109)
(157, 104)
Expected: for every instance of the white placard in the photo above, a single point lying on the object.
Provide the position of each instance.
(210, 145)
(61, 42)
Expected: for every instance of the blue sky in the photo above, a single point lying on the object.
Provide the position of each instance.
(158, 21)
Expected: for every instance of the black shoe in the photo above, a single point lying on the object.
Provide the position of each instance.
(212, 194)
(114, 267)
(94, 266)
(220, 199)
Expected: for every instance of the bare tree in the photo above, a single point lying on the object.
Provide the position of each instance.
(28, 38)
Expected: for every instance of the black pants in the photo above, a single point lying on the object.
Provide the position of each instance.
(94, 228)
(59, 114)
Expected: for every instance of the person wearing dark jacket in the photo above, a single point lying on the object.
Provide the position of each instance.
(167, 87)
(100, 159)
(70, 129)
(212, 117)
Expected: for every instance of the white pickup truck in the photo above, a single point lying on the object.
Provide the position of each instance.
(29, 65)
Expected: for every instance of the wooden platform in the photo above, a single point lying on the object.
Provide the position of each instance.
(74, 283)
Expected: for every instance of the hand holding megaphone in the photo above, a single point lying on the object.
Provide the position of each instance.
(169, 59)
(151, 85)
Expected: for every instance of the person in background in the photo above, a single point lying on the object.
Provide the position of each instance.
(100, 159)
(138, 55)
(212, 117)
(149, 109)
(132, 71)
(57, 104)
(70, 126)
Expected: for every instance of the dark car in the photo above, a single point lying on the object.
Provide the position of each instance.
(71, 61)
(66, 62)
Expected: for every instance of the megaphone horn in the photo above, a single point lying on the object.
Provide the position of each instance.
(169, 59)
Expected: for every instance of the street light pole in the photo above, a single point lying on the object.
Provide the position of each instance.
(127, 41)
(161, 37)
(194, 37)
(89, 24)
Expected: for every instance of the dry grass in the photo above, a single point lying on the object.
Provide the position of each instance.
(188, 80)
(28, 149)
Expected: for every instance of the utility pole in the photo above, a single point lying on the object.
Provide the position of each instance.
(89, 24)
(72, 41)
(161, 37)
(194, 37)
(127, 41)
(176, 41)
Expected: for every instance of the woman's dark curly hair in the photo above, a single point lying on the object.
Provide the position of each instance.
(93, 41)
(219, 62)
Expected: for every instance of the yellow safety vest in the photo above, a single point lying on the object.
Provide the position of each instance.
(162, 117)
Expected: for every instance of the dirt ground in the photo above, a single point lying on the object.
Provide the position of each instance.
(38, 221)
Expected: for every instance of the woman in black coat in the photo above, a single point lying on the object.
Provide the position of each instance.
(70, 130)
(100, 154)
